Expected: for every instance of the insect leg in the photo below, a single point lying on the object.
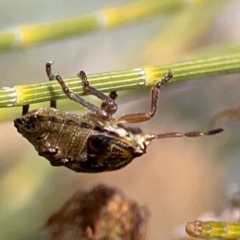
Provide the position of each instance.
(187, 134)
(25, 109)
(141, 117)
(75, 97)
(109, 104)
(48, 68)
(113, 96)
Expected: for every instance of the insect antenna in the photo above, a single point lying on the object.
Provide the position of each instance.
(187, 134)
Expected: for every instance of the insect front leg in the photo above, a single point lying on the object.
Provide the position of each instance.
(25, 109)
(75, 97)
(109, 104)
(48, 68)
(53, 103)
(141, 117)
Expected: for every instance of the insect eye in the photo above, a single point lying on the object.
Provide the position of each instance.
(99, 142)
(31, 127)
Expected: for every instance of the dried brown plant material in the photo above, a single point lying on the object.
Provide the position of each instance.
(103, 213)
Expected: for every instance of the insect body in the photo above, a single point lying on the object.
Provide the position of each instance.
(94, 142)
(82, 143)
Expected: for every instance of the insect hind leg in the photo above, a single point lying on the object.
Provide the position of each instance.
(145, 116)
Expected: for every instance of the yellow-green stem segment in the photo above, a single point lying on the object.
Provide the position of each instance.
(106, 18)
(211, 229)
(121, 80)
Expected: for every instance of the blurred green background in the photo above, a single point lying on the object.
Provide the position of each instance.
(177, 179)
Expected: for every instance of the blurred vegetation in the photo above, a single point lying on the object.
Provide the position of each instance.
(177, 181)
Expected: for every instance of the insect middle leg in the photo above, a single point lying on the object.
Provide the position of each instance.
(141, 117)
(113, 96)
(109, 105)
(75, 97)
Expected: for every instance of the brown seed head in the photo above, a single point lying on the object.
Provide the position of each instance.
(101, 213)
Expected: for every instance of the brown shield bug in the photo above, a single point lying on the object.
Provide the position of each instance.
(94, 142)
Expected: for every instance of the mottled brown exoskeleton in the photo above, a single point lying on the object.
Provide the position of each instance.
(94, 142)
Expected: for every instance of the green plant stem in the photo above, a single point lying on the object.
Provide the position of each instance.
(211, 229)
(121, 80)
(106, 18)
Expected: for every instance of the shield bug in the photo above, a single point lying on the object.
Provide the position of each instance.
(94, 142)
